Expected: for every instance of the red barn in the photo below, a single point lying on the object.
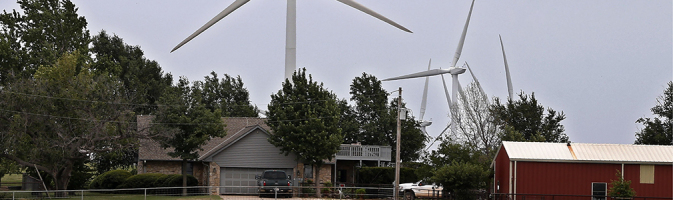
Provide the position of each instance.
(581, 169)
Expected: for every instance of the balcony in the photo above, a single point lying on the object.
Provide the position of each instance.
(364, 152)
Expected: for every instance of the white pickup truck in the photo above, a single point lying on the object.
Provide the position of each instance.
(420, 190)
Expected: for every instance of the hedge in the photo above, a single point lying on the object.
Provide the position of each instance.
(385, 175)
(110, 179)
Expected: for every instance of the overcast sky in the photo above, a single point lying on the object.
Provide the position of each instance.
(602, 62)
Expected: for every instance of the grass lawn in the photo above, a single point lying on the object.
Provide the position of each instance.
(117, 197)
(141, 197)
(11, 180)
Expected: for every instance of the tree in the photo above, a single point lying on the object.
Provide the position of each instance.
(143, 79)
(525, 120)
(412, 138)
(377, 119)
(474, 121)
(459, 168)
(143, 82)
(185, 124)
(658, 130)
(304, 118)
(377, 126)
(621, 187)
(57, 119)
(47, 30)
(227, 95)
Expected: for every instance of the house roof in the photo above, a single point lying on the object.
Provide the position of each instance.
(584, 152)
(235, 128)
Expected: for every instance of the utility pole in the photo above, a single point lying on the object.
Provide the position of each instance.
(397, 149)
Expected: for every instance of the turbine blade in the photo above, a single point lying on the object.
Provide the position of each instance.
(432, 72)
(478, 84)
(509, 80)
(237, 4)
(291, 39)
(446, 91)
(438, 137)
(424, 101)
(364, 9)
(459, 50)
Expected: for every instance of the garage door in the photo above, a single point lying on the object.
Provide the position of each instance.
(236, 180)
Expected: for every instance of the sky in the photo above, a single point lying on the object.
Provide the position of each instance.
(602, 62)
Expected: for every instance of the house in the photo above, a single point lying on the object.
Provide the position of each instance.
(234, 160)
(523, 168)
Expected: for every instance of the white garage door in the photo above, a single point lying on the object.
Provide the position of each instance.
(235, 180)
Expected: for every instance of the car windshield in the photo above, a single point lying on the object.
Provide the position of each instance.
(274, 175)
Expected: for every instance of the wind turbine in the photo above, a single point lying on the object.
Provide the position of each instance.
(291, 28)
(509, 79)
(453, 70)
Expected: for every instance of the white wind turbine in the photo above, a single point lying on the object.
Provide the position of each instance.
(453, 70)
(291, 28)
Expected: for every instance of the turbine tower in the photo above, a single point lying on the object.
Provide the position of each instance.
(291, 28)
(453, 70)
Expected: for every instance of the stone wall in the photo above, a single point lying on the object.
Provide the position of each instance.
(214, 177)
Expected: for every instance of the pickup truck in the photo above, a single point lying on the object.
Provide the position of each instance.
(420, 190)
(273, 182)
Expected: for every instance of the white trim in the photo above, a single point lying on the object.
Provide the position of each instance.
(515, 170)
(510, 181)
(593, 161)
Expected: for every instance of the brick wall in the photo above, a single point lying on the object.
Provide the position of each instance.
(162, 167)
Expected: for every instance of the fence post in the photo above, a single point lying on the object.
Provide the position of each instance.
(82, 192)
(145, 193)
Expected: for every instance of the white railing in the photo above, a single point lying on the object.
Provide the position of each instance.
(364, 152)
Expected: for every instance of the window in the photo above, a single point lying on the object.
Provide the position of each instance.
(647, 174)
(308, 171)
(190, 168)
(599, 191)
(342, 176)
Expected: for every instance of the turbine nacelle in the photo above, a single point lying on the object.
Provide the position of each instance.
(456, 70)
(425, 123)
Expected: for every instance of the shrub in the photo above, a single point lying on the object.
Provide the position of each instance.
(385, 175)
(175, 180)
(621, 187)
(109, 180)
(141, 181)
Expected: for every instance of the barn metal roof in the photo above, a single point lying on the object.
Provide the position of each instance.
(584, 152)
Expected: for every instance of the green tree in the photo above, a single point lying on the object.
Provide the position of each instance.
(143, 82)
(377, 125)
(377, 119)
(304, 118)
(227, 95)
(412, 138)
(60, 117)
(525, 120)
(459, 168)
(658, 130)
(143, 79)
(461, 178)
(621, 187)
(185, 124)
(45, 31)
